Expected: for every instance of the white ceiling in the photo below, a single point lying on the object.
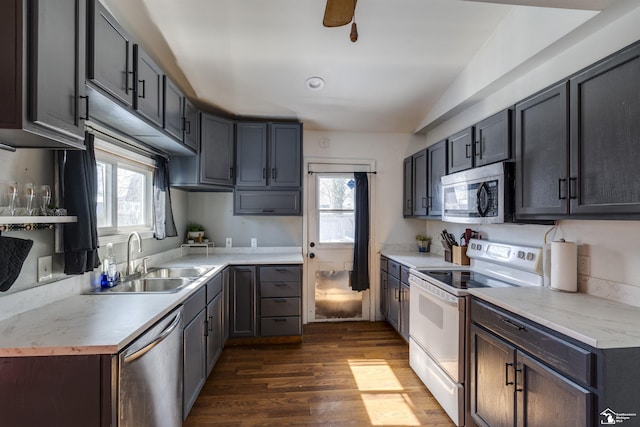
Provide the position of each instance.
(252, 57)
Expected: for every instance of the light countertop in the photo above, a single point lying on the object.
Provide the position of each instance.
(597, 322)
(416, 259)
(107, 323)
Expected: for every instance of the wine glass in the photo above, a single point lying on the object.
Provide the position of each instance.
(45, 192)
(30, 194)
(13, 196)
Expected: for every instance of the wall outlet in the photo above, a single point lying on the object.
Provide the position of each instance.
(228, 242)
(44, 268)
(254, 242)
(584, 265)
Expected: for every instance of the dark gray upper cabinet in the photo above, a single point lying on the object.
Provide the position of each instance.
(493, 139)
(211, 169)
(460, 150)
(541, 145)
(285, 155)
(191, 125)
(605, 135)
(216, 150)
(148, 87)
(42, 73)
(251, 154)
(407, 186)
(110, 65)
(174, 114)
(420, 204)
(437, 168)
(264, 202)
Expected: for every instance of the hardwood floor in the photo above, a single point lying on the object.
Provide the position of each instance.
(343, 374)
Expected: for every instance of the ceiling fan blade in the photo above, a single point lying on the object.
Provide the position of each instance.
(338, 12)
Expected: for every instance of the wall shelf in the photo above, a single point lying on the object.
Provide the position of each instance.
(28, 223)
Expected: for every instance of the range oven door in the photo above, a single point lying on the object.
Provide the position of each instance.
(437, 322)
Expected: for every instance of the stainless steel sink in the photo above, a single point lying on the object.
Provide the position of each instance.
(144, 285)
(170, 272)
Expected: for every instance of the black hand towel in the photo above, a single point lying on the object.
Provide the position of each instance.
(13, 252)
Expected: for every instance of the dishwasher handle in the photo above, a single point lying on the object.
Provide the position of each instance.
(157, 340)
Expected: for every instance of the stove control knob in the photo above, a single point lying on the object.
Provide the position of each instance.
(479, 246)
(531, 256)
(473, 246)
(521, 254)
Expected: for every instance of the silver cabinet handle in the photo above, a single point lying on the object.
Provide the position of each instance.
(157, 340)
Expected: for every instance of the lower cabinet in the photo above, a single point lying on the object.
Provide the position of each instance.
(396, 281)
(384, 287)
(404, 310)
(280, 305)
(242, 302)
(215, 321)
(195, 349)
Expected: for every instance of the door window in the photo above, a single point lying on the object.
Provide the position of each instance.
(336, 201)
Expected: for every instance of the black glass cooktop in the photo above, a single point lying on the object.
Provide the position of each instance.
(461, 279)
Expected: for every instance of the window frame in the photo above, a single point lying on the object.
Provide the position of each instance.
(115, 156)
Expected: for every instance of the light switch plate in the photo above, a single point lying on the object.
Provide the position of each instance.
(228, 242)
(44, 268)
(254, 242)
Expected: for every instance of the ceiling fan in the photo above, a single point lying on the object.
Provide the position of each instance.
(339, 13)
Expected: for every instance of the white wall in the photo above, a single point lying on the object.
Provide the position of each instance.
(611, 245)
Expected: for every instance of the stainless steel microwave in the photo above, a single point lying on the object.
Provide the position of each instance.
(482, 195)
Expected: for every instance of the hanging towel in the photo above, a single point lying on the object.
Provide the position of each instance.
(13, 252)
(163, 223)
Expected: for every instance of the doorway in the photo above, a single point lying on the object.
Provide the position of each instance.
(330, 225)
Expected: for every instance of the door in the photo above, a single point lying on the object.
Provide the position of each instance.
(216, 150)
(285, 155)
(214, 331)
(242, 301)
(251, 155)
(493, 139)
(330, 228)
(437, 168)
(173, 109)
(460, 150)
(191, 125)
(148, 98)
(407, 190)
(420, 183)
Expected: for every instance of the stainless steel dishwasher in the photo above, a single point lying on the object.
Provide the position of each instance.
(150, 377)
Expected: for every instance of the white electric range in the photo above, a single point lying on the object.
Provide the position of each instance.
(438, 323)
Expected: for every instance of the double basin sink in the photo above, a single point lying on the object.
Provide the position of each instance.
(156, 280)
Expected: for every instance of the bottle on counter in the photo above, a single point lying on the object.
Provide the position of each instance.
(104, 277)
(112, 271)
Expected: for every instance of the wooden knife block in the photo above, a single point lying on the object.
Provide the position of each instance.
(460, 255)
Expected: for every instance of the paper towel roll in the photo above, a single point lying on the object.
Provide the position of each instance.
(564, 266)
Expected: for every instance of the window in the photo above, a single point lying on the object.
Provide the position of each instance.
(336, 199)
(124, 193)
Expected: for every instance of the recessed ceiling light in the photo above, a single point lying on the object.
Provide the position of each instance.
(314, 83)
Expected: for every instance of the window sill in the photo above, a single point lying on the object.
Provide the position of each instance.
(122, 237)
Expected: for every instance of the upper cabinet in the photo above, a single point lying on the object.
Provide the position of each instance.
(577, 144)
(419, 194)
(212, 168)
(268, 168)
(437, 168)
(191, 125)
(42, 73)
(493, 139)
(407, 188)
(127, 91)
(460, 150)
(542, 162)
(421, 181)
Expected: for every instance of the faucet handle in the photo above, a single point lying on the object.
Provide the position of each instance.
(143, 265)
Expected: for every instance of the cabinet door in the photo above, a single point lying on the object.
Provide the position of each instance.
(251, 155)
(226, 318)
(542, 150)
(605, 130)
(173, 109)
(285, 155)
(393, 299)
(546, 398)
(420, 183)
(404, 310)
(460, 150)
(261, 202)
(216, 150)
(214, 331)
(437, 168)
(493, 139)
(58, 33)
(492, 380)
(191, 125)
(148, 87)
(242, 302)
(407, 191)
(194, 367)
(110, 64)
(384, 291)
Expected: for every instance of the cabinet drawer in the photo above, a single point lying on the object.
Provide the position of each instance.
(283, 273)
(214, 287)
(194, 305)
(563, 356)
(393, 268)
(404, 274)
(279, 289)
(279, 307)
(383, 263)
(276, 326)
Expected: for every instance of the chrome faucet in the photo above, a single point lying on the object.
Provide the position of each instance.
(130, 269)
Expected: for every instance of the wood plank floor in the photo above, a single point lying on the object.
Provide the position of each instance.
(343, 374)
